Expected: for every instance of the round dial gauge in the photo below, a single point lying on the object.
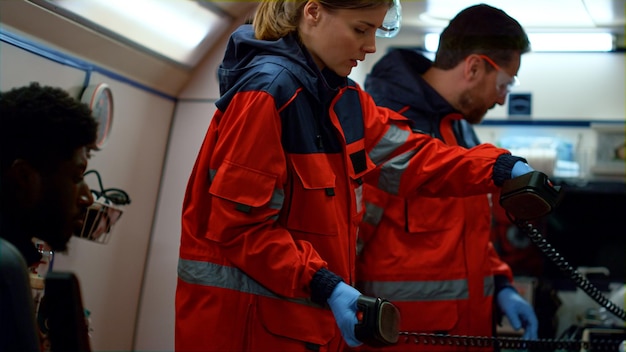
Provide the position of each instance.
(99, 98)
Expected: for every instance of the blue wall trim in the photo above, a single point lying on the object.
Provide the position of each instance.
(68, 60)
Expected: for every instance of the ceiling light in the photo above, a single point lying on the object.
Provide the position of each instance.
(174, 29)
(530, 13)
(543, 42)
(571, 41)
(431, 42)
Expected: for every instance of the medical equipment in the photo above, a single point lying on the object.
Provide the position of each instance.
(378, 323)
(525, 198)
(103, 213)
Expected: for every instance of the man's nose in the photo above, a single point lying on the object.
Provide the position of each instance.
(86, 197)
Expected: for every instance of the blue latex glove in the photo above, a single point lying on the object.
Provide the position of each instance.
(520, 168)
(343, 304)
(519, 312)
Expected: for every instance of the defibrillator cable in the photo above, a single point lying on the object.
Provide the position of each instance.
(508, 343)
(513, 343)
(531, 196)
(564, 266)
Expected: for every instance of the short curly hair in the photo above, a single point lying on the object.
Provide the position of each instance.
(43, 125)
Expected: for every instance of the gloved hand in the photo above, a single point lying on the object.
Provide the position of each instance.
(343, 304)
(519, 312)
(520, 168)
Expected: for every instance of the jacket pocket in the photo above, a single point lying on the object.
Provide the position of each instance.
(297, 321)
(312, 207)
(424, 214)
(243, 185)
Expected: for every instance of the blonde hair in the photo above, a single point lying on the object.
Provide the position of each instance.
(275, 19)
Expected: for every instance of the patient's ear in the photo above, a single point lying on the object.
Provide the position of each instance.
(26, 181)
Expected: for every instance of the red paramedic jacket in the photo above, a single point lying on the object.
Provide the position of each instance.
(275, 195)
(432, 257)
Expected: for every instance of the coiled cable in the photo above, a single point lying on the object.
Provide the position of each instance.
(564, 266)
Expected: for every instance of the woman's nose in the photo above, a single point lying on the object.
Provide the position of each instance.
(370, 45)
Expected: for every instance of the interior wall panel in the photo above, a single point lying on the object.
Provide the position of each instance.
(110, 274)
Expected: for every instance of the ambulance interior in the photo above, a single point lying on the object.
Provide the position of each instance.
(158, 59)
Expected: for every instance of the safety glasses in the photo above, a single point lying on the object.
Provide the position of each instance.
(391, 24)
(103, 213)
(504, 81)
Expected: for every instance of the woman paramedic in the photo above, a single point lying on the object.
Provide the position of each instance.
(270, 215)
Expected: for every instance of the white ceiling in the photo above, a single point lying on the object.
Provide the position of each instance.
(35, 18)
(534, 15)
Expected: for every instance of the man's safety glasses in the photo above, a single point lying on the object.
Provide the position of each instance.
(504, 81)
(391, 23)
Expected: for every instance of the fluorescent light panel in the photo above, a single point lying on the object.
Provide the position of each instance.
(431, 42)
(571, 41)
(530, 13)
(555, 42)
(175, 29)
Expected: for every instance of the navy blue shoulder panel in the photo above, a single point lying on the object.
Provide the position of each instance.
(348, 110)
(269, 77)
(305, 121)
(307, 127)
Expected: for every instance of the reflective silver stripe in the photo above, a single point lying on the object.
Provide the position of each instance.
(215, 275)
(423, 290)
(391, 172)
(211, 274)
(488, 286)
(277, 200)
(373, 214)
(417, 290)
(393, 138)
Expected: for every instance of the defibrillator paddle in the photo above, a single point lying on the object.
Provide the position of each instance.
(378, 322)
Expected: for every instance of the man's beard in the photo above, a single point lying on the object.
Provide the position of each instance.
(52, 230)
(471, 113)
(57, 241)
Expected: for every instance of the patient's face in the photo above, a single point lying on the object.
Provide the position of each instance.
(63, 201)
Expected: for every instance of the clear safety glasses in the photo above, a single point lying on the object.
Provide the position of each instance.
(391, 24)
(103, 213)
(504, 81)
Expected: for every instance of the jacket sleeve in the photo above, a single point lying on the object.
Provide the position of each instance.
(247, 196)
(413, 162)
